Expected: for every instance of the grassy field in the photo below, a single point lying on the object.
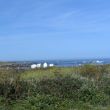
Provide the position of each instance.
(70, 88)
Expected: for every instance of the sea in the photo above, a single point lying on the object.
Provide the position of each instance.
(70, 62)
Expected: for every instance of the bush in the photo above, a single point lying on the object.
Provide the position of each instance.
(59, 92)
(104, 85)
(66, 87)
(92, 71)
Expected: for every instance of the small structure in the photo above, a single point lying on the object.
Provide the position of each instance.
(38, 65)
(99, 62)
(33, 66)
(45, 65)
(51, 65)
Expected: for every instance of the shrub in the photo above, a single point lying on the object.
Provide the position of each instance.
(59, 92)
(91, 71)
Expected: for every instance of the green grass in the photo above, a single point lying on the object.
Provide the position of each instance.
(78, 88)
(47, 73)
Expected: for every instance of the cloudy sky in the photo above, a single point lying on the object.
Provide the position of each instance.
(54, 29)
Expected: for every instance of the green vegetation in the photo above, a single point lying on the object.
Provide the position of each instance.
(73, 88)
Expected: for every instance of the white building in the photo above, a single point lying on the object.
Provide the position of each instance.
(38, 65)
(51, 65)
(33, 66)
(45, 65)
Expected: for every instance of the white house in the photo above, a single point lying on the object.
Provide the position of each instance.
(39, 65)
(51, 65)
(33, 66)
(45, 65)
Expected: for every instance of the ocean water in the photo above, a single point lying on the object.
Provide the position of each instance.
(73, 62)
(67, 63)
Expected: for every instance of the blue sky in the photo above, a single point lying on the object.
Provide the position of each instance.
(54, 29)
